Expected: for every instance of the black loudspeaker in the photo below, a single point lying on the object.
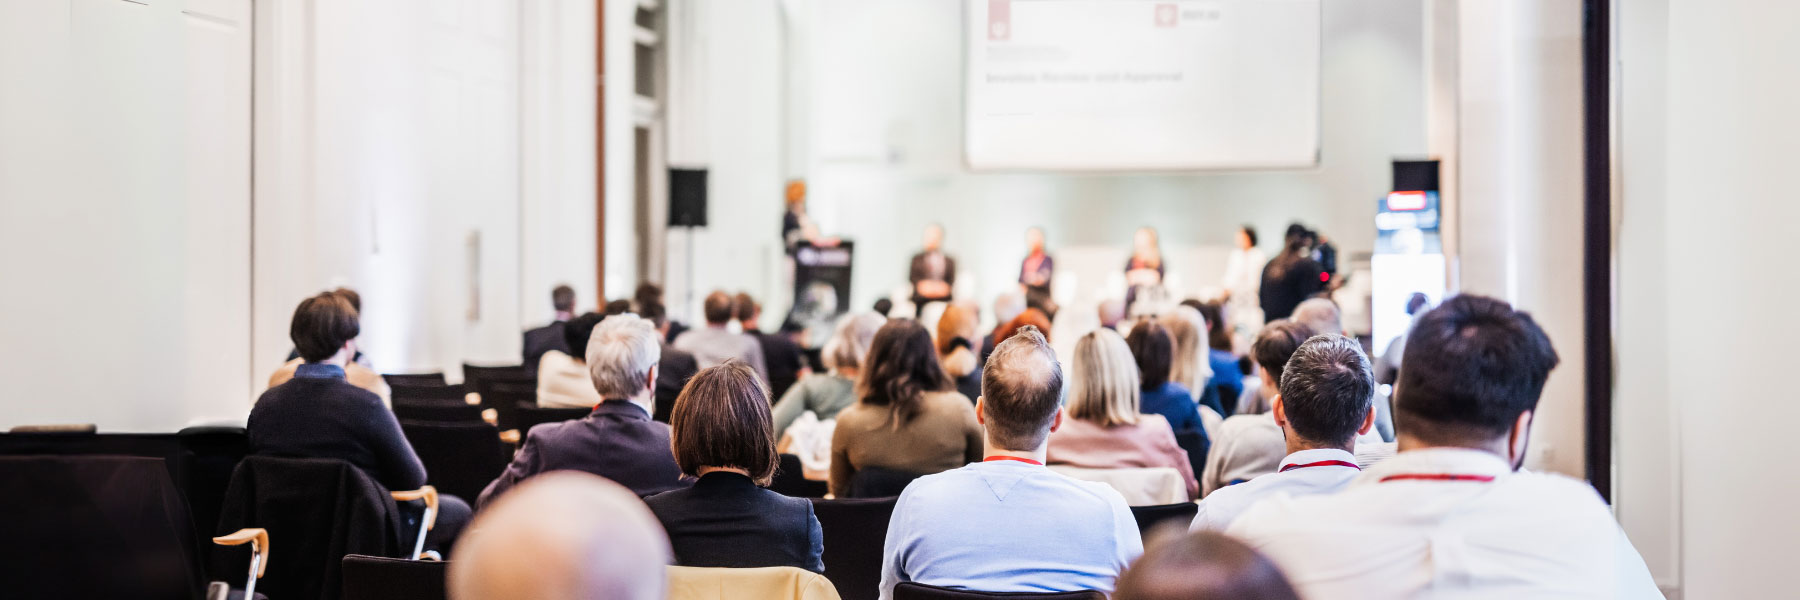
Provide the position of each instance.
(1415, 175)
(687, 197)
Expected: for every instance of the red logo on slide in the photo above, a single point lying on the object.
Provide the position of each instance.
(999, 28)
(1167, 15)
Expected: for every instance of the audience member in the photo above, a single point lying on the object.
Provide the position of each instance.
(883, 307)
(722, 435)
(1203, 566)
(1452, 516)
(357, 370)
(1387, 366)
(1030, 318)
(318, 414)
(1112, 312)
(827, 394)
(550, 337)
(1191, 365)
(1324, 403)
(648, 294)
(1227, 379)
(1037, 269)
(675, 367)
(1292, 277)
(714, 344)
(563, 380)
(1007, 524)
(1251, 444)
(1153, 351)
(785, 360)
(616, 307)
(617, 440)
(1103, 428)
(562, 536)
(908, 418)
(956, 349)
(1007, 306)
(1323, 316)
(355, 300)
(933, 273)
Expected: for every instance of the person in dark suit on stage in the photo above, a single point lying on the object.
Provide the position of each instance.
(933, 272)
(542, 340)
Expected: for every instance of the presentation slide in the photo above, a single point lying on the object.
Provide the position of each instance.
(1127, 85)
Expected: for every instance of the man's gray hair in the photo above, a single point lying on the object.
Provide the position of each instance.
(620, 353)
(1021, 391)
(1326, 389)
(1320, 315)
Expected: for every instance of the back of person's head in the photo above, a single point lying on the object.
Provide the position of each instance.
(745, 309)
(1103, 380)
(1008, 306)
(563, 298)
(1276, 343)
(901, 367)
(565, 535)
(849, 343)
(1319, 314)
(647, 293)
(655, 312)
(350, 295)
(578, 331)
(1473, 366)
(1203, 566)
(1218, 332)
(883, 307)
(322, 325)
(617, 307)
(1154, 352)
(1112, 310)
(1326, 390)
(718, 308)
(721, 419)
(1030, 318)
(956, 340)
(1190, 366)
(620, 354)
(1021, 391)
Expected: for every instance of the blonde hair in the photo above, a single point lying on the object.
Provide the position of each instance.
(1191, 367)
(957, 322)
(849, 343)
(1103, 386)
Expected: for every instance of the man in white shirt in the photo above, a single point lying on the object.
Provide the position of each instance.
(1249, 445)
(715, 343)
(1451, 516)
(1322, 407)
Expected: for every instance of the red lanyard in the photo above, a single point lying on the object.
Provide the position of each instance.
(1437, 477)
(1322, 463)
(1023, 460)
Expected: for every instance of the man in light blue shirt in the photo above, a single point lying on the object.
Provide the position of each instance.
(1007, 524)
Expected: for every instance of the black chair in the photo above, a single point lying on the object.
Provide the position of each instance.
(414, 379)
(1197, 446)
(460, 458)
(429, 393)
(876, 482)
(790, 480)
(854, 530)
(528, 416)
(476, 378)
(441, 412)
(1148, 517)
(918, 591)
(376, 578)
(505, 397)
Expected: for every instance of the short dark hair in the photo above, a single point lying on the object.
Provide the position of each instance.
(717, 308)
(647, 293)
(1326, 389)
(1021, 391)
(654, 312)
(745, 306)
(721, 419)
(618, 307)
(1218, 333)
(1249, 232)
(350, 295)
(1154, 351)
(1276, 343)
(563, 298)
(884, 306)
(578, 331)
(322, 324)
(900, 368)
(1203, 565)
(1472, 366)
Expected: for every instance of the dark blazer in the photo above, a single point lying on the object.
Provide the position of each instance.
(318, 414)
(541, 341)
(617, 441)
(672, 373)
(918, 273)
(725, 520)
(782, 357)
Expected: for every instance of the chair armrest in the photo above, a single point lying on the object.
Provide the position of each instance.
(472, 398)
(510, 436)
(490, 416)
(257, 537)
(427, 493)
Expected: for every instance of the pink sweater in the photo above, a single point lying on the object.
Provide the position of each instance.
(1149, 443)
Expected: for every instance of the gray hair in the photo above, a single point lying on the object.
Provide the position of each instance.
(1326, 389)
(620, 354)
(1008, 306)
(849, 343)
(1320, 315)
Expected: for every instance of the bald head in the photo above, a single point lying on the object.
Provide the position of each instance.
(1021, 390)
(1203, 565)
(562, 536)
(1320, 315)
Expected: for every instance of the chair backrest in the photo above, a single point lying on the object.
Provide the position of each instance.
(854, 530)
(505, 397)
(918, 591)
(763, 583)
(414, 379)
(95, 527)
(460, 458)
(1196, 444)
(526, 417)
(439, 412)
(1139, 486)
(477, 378)
(316, 511)
(1148, 517)
(377, 578)
(876, 482)
(790, 480)
(428, 392)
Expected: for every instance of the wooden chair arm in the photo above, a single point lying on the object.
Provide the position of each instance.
(472, 398)
(427, 493)
(510, 436)
(257, 537)
(490, 416)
